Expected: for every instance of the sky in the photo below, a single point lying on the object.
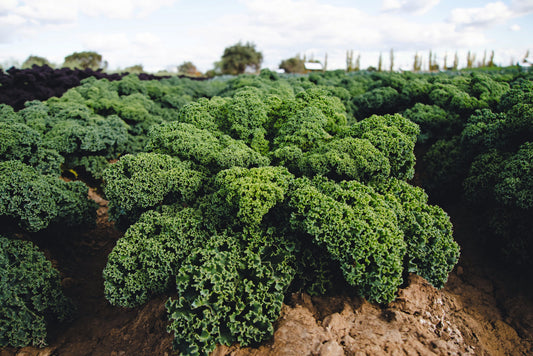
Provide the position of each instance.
(161, 34)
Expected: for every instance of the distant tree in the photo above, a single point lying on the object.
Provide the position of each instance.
(455, 61)
(433, 65)
(84, 60)
(484, 60)
(380, 62)
(470, 59)
(491, 59)
(417, 64)
(188, 68)
(349, 61)
(293, 65)
(137, 68)
(35, 60)
(391, 60)
(239, 58)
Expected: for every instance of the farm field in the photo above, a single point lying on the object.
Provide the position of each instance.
(329, 213)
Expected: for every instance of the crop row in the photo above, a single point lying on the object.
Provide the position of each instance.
(233, 192)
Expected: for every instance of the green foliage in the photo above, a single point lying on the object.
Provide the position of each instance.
(246, 114)
(435, 122)
(347, 158)
(84, 60)
(451, 97)
(202, 147)
(293, 65)
(446, 166)
(393, 135)
(249, 194)
(30, 295)
(188, 68)
(144, 262)
(230, 291)
(22, 143)
(36, 201)
(35, 61)
(239, 58)
(269, 187)
(515, 183)
(482, 177)
(377, 101)
(306, 129)
(137, 183)
(357, 228)
(431, 251)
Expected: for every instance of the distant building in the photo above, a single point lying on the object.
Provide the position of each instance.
(313, 66)
(526, 62)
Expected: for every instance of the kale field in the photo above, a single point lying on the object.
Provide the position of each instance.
(333, 213)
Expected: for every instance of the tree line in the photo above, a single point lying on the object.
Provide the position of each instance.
(243, 58)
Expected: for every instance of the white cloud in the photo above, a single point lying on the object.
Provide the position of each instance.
(515, 28)
(42, 15)
(122, 9)
(417, 7)
(121, 50)
(7, 5)
(105, 42)
(481, 17)
(522, 7)
(326, 27)
(147, 40)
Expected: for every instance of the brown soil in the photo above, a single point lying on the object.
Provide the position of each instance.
(480, 311)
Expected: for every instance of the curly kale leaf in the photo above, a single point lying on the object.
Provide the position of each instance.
(229, 291)
(211, 151)
(346, 159)
(140, 182)
(36, 201)
(393, 135)
(30, 295)
(431, 251)
(145, 260)
(357, 228)
(249, 194)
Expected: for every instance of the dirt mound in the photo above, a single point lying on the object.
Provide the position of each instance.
(421, 321)
(475, 314)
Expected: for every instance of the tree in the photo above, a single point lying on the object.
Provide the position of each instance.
(137, 68)
(349, 61)
(417, 65)
(293, 65)
(391, 60)
(188, 68)
(470, 59)
(84, 60)
(433, 65)
(380, 62)
(455, 61)
(239, 58)
(35, 60)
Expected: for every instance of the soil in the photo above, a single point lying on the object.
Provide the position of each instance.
(482, 310)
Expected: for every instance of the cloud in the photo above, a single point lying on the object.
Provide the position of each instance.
(515, 28)
(318, 25)
(417, 7)
(481, 17)
(7, 5)
(121, 49)
(122, 9)
(522, 7)
(28, 17)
